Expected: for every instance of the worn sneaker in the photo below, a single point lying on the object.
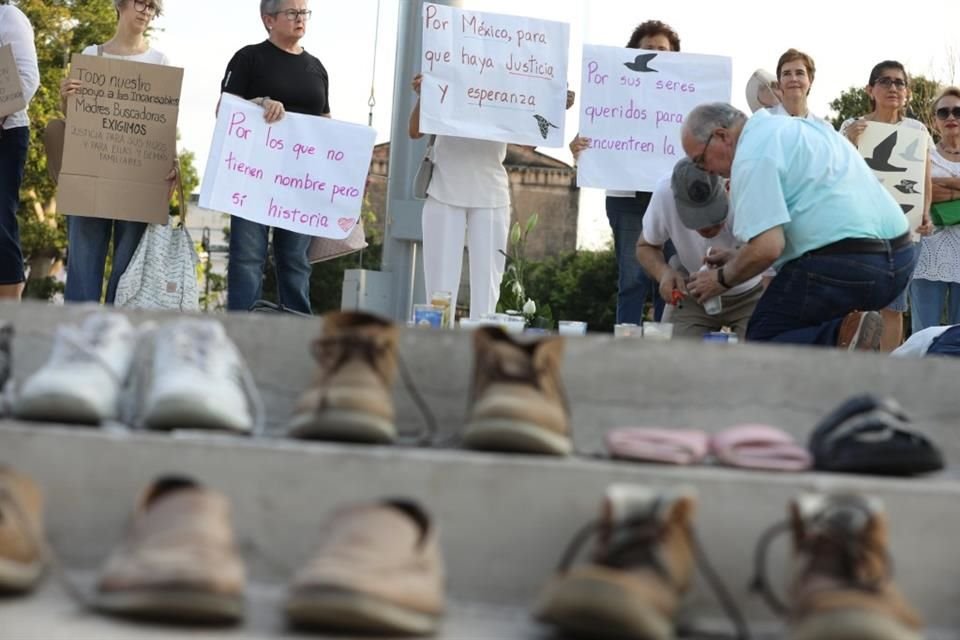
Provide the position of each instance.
(178, 562)
(198, 380)
(861, 331)
(83, 379)
(843, 587)
(517, 402)
(351, 398)
(21, 532)
(378, 570)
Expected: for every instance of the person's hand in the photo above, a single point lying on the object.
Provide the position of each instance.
(577, 145)
(571, 98)
(718, 257)
(273, 110)
(855, 130)
(926, 225)
(173, 178)
(68, 87)
(417, 81)
(703, 285)
(670, 281)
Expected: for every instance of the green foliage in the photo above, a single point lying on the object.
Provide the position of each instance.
(854, 102)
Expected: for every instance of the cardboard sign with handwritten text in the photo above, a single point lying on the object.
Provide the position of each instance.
(304, 173)
(121, 140)
(493, 77)
(11, 89)
(632, 106)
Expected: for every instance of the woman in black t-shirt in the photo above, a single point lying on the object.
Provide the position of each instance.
(281, 76)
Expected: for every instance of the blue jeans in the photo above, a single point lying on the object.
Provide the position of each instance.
(13, 155)
(248, 255)
(808, 299)
(88, 240)
(929, 297)
(634, 287)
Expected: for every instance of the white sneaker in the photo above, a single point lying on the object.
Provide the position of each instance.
(82, 380)
(197, 380)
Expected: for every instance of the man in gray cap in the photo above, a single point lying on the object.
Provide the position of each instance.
(692, 209)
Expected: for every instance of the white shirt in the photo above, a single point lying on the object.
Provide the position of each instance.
(662, 223)
(919, 342)
(150, 56)
(15, 30)
(780, 110)
(469, 173)
(940, 252)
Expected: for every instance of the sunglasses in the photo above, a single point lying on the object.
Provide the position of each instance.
(886, 82)
(945, 112)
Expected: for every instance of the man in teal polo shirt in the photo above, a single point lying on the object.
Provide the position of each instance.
(808, 205)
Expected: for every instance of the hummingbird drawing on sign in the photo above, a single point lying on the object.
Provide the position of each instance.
(640, 63)
(544, 125)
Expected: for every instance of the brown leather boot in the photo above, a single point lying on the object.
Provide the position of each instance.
(642, 564)
(351, 398)
(861, 331)
(518, 403)
(843, 589)
(178, 562)
(21, 532)
(378, 570)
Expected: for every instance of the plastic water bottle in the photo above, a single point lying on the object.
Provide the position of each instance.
(713, 305)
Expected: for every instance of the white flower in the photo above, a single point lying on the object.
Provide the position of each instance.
(529, 308)
(518, 289)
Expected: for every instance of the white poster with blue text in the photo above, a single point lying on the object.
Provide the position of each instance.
(493, 77)
(632, 106)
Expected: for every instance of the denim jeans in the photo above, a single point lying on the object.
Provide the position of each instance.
(808, 299)
(929, 297)
(634, 287)
(88, 240)
(946, 344)
(13, 155)
(248, 255)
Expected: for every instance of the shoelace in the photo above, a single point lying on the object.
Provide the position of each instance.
(637, 546)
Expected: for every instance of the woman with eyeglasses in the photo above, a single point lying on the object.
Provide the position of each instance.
(279, 75)
(936, 280)
(889, 93)
(88, 239)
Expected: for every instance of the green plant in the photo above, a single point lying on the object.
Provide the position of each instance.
(514, 298)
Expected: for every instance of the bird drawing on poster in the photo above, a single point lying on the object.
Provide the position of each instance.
(906, 207)
(910, 153)
(544, 125)
(906, 186)
(880, 158)
(641, 63)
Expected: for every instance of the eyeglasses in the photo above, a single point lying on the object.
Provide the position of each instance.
(887, 82)
(945, 112)
(293, 14)
(142, 6)
(701, 158)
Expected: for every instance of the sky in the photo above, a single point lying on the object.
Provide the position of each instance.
(844, 38)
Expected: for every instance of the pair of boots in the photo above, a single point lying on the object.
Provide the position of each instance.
(517, 401)
(378, 568)
(646, 552)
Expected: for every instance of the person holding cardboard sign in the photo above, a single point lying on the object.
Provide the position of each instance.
(88, 239)
(279, 75)
(23, 80)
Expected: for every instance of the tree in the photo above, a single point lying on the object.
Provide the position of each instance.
(854, 102)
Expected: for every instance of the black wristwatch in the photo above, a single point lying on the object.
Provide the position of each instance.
(720, 279)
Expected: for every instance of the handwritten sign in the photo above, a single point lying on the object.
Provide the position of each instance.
(898, 157)
(493, 77)
(121, 140)
(632, 106)
(304, 173)
(11, 90)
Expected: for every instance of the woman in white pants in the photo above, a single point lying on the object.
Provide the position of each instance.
(468, 193)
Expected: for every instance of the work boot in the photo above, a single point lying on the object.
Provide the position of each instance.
(178, 562)
(378, 570)
(843, 589)
(642, 565)
(351, 398)
(861, 331)
(21, 532)
(517, 401)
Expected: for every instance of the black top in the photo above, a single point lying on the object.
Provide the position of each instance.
(264, 70)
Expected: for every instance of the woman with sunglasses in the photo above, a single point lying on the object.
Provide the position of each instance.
(889, 92)
(88, 239)
(279, 75)
(936, 280)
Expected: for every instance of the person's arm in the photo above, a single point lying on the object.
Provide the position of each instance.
(20, 36)
(945, 189)
(651, 258)
(751, 260)
(414, 127)
(926, 223)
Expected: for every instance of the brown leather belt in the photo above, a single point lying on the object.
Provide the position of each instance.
(863, 245)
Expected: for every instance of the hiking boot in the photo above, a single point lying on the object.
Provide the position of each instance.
(842, 588)
(82, 380)
(178, 562)
(861, 331)
(518, 402)
(378, 570)
(197, 380)
(21, 532)
(351, 399)
(642, 564)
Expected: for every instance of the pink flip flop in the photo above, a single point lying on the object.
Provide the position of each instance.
(759, 446)
(649, 444)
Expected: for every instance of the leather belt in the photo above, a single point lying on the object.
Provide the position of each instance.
(864, 245)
